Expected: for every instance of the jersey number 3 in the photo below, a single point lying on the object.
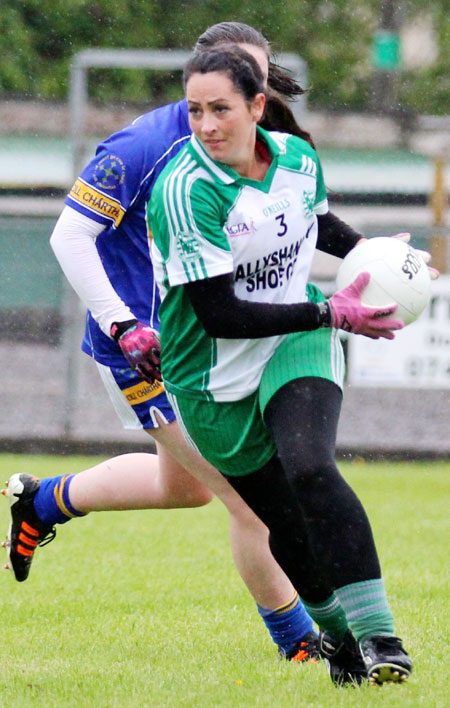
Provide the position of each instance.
(283, 225)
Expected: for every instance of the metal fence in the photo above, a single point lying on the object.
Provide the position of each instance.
(52, 397)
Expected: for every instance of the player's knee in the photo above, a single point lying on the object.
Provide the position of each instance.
(319, 468)
(199, 497)
(189, 494)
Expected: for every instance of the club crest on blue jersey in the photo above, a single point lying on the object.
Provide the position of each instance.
(188, 246)
(109, 173)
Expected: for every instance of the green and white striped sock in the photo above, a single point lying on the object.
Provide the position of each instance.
(329, 616)
(367, 609)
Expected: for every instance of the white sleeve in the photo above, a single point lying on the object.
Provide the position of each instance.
(73, 242)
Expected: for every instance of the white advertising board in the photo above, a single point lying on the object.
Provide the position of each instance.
(418, 357)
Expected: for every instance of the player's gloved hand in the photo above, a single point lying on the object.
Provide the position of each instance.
(140, 346)
(348, 312)
(425, 256)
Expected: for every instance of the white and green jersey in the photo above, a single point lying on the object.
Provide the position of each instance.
(206, 221)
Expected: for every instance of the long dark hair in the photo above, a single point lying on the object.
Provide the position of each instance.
(278, 115)
(243, 69)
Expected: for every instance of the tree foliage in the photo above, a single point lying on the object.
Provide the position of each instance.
(39, 37)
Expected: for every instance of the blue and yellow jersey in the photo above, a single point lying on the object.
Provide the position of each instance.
(114, 190)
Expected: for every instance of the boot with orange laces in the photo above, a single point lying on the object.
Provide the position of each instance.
(291, 628)
(306, 651)
(26, 531)
(32, 522)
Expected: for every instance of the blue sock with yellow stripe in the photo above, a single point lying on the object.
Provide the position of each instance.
(287, 624)
(52, 503)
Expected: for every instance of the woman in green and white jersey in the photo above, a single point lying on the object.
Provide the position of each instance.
(250, 354)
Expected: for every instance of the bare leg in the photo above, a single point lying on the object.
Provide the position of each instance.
(136, 481)
(262, 575)
(143, 481)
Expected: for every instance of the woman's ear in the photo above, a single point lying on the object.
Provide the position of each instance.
(258, 106)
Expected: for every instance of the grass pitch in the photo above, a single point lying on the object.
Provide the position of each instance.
(145, 609)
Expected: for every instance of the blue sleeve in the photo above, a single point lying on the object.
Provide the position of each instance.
(112, 180)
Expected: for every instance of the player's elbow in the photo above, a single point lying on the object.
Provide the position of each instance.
(214, 322)
(216, 329)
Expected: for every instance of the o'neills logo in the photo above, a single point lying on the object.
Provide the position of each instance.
(276, 207)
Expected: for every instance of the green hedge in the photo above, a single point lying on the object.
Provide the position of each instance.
(39, 37)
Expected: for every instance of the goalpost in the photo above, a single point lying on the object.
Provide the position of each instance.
(153, 59)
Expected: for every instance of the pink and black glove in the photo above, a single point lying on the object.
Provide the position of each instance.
(140, 346)
(348, 312)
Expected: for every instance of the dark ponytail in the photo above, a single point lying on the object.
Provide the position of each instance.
(281, 82)
(278, 116)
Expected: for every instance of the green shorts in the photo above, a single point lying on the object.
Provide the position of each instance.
(232, 435)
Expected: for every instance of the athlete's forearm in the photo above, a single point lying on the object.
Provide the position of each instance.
(224, 315)
(335, 236)
(73, 242)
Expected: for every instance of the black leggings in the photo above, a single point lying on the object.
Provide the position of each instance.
(319, 532)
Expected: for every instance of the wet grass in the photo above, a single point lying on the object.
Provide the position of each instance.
(146, 609)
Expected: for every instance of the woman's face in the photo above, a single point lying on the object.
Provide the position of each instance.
(221, 118)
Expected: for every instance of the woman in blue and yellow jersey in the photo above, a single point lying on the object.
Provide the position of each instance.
(251, 360)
